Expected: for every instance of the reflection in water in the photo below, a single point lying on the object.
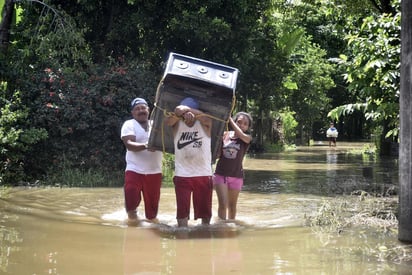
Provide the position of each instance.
(331, 167)
(157, 255)
(9, 239)
(142, 252)
(83, 231)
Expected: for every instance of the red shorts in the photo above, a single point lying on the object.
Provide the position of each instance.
(149, 185)
(202, 189)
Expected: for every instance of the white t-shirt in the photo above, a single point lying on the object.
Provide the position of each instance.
(145, 161)
(193, 155)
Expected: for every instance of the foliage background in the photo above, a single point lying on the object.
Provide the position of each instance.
(70, 69)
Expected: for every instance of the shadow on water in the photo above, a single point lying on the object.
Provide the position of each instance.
(320, 170)
(214, 231)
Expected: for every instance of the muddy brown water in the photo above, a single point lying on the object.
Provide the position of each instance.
(83, 231)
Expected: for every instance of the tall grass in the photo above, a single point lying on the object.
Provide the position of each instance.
(67, 176)
(77, 177)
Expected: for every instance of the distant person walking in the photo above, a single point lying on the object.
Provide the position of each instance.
(332, 134)
(228, 177)
(143, 175)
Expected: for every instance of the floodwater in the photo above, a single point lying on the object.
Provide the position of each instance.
(83, 231)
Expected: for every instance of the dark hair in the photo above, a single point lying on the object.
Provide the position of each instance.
(249, 117)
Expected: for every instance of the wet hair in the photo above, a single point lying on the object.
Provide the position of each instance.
(247, 115)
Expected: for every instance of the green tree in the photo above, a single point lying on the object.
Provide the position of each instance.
(372, 66)
(306, 73)
(49, 41)
(306, 86)
(16, 138)
(76, 65)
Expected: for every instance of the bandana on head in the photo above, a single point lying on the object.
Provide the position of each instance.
(136, 101)
(190, 102)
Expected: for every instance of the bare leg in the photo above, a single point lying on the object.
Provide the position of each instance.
(182, 222)
(132, 218)
(233, 196)
(205, 221)
(154, 220)
(132, 214)
(222, 196)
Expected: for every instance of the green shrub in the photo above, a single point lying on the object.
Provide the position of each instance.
(16, 137)
(85, 177)
(289, 126)
(83, 114)
(168, 169)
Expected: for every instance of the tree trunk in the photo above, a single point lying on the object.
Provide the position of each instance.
(5, 25)
(405, 152)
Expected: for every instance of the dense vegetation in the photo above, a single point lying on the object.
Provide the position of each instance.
(69, 69)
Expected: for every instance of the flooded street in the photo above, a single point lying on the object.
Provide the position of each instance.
(83, 231)
(321, 170)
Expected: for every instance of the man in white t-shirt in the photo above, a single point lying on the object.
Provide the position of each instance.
(143, 175)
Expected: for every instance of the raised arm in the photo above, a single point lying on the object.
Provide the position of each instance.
(239, 133)
(189, 115)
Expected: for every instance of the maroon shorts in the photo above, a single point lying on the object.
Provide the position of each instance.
(135, 185)
(202, 189)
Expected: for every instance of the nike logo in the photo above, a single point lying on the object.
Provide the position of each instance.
(180, 145)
